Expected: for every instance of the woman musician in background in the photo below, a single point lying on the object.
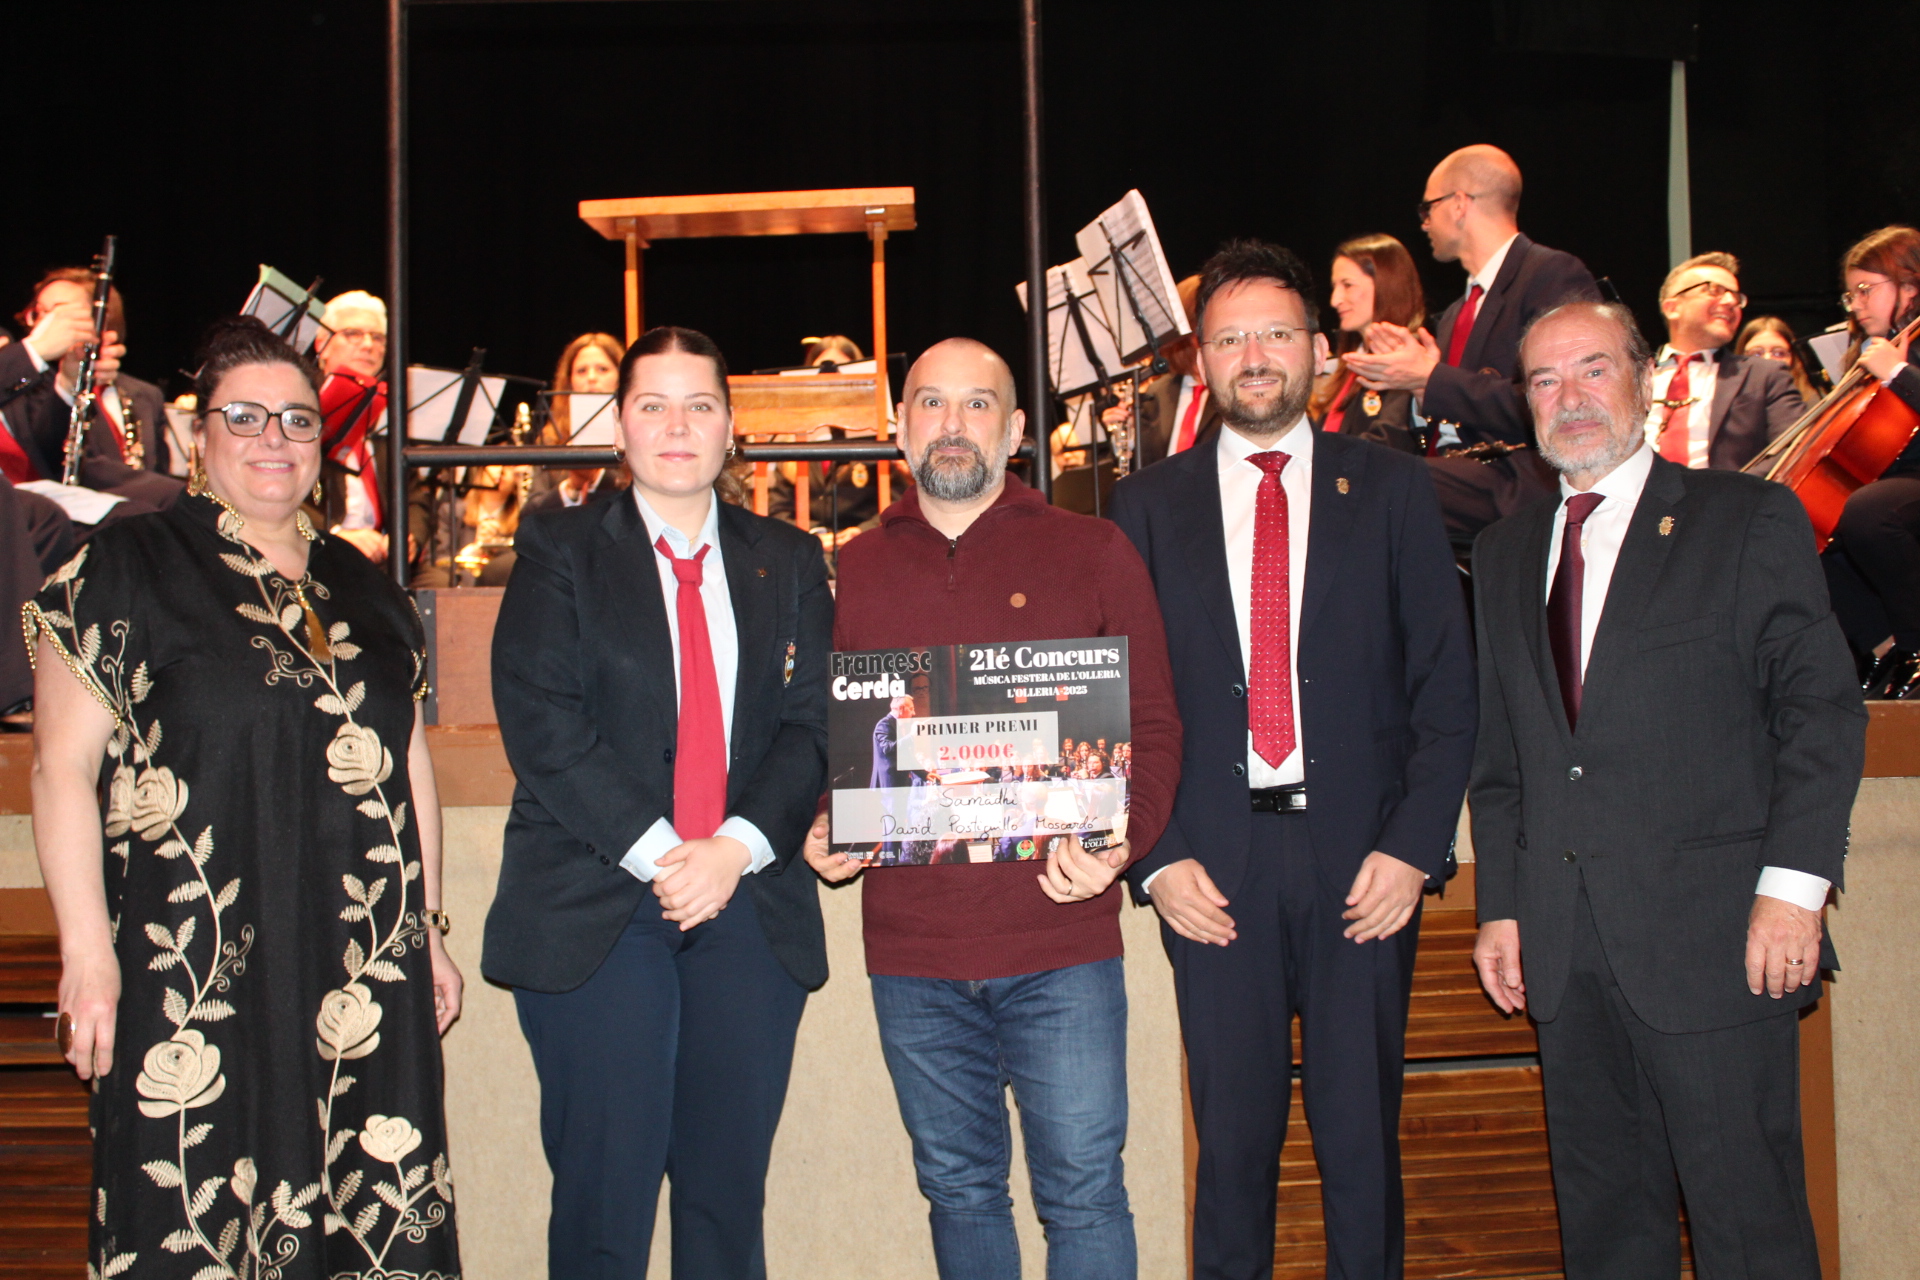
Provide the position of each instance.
(591, 366)
(1873, 564)
(1373, 278)
(1771, 338)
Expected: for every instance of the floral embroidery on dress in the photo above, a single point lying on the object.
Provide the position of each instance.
(373, 1184)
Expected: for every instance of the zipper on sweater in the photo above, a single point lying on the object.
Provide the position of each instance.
(953, 545)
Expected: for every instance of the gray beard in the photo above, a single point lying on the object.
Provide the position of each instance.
(1271, 421)
(957, 481)
(1619, 447)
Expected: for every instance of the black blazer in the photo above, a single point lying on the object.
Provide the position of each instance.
(1391, 426)
(1387, 710)
(38, 417)
(583, 683)
(1482, 397)
(1721, 731)
(1754, 400)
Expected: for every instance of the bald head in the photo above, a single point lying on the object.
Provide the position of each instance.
(1485, 172)
(959, 425)
(968, 361)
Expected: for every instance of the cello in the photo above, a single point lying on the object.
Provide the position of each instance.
(1841, 444)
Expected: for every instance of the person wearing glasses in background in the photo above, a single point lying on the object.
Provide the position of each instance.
(1464, 376)
(1712, 407)
(1873, 563)
(1771, 338)
(250, 924)
(352, 355)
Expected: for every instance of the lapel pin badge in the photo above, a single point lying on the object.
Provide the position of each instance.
(1370, 403)
(763, 571)
(787, 675)
(1666, 525)
(1342, 485)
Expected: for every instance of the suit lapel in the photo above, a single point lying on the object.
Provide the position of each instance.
(1532, 605)
(1203, 540)
(626, 575)
(752, 585)
(1494, 303)
(1729, 373)
(1330, 521)
(1643, 555)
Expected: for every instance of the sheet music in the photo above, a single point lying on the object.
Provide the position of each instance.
(590, 418)
(276, 300)
(1129, 271)
(431, 397)
(1070, 352)
(1831, 348)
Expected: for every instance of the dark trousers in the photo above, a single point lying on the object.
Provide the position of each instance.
(1236, 1005)
(671, 1059)
(1628, 1106)
(1878, 544)
(1474, 494)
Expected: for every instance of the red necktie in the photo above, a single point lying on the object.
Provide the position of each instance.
(1463, 325)
(13, 459)
(1270, 682)
(1564, 605)
(700, 749)
(1183, 440)
(1675, 435)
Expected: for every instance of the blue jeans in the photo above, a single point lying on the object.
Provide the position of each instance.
(1059, 1037)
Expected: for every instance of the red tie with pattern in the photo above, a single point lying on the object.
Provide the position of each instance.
(1565, 604)
(1676, 436)
(1270, 682)
(700, 751)
(1463, 325)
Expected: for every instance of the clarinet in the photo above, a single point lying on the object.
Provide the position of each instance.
(84, 392)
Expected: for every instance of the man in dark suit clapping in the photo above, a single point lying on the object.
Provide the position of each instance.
(1324, 679)
(1465, 374)
(1670, 741)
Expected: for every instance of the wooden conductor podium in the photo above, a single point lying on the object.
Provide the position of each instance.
(768, 408)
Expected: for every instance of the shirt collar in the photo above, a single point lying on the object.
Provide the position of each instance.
(656, 526)
(1296, 442)
(1623, 483)
(1669, 356)
(1490, 269)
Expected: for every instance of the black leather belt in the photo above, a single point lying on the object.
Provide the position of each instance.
(1291, 799)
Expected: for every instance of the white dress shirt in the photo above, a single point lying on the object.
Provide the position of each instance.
(643, 859)
(1600, 540)
(1703, 379)
(1239, 489)
(1489, 272)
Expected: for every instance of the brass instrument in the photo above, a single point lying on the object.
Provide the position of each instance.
(85, 394)
(489, 536)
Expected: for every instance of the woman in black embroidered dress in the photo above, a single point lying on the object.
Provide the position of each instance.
(253, 972)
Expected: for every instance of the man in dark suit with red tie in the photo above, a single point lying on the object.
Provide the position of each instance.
(1465, 376)
(1671, 736)
(1325, 682)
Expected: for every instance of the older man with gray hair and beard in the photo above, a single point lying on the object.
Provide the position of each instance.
(1670, 742)
(1005, 972)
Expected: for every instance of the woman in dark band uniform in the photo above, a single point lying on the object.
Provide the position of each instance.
(1373, 278)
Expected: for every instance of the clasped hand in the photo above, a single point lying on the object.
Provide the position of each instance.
(1380, 903)
(1394, 358)
(697, 879)
(1073, 874)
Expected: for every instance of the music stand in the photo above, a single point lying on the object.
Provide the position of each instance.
(287, 309)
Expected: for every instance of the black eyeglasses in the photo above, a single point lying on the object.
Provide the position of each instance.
(1424, 210)
(244, 418)
(1714, 291)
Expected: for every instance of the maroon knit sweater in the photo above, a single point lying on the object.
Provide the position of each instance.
(1022, 571)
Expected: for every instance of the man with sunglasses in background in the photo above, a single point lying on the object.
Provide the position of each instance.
(1712, 408)
(1464, 374)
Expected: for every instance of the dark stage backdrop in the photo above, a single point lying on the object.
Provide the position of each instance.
(212, 137)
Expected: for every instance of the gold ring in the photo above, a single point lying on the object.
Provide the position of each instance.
(1796, 963)
(63, 1032)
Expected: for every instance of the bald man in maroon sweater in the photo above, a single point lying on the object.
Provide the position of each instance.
(1005, 973)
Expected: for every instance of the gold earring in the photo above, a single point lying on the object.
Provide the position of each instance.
(319, 494)
(197, 480)
(733, 447)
